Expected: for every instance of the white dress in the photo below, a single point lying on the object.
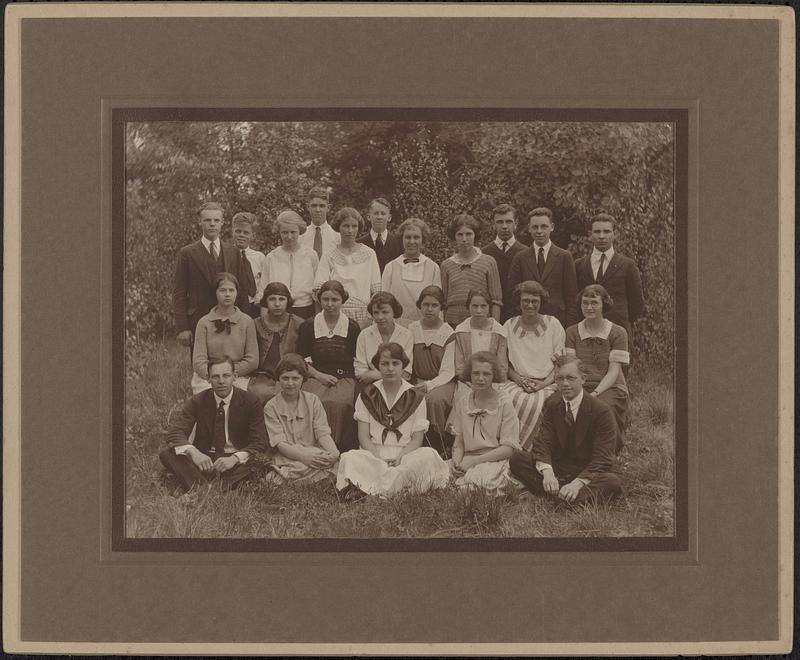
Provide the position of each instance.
(405, 281)
(359, 274)
(418, 471)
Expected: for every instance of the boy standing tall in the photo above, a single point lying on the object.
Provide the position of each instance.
(503, 248)
(198, 263)
(243, 224)
(617, 273)
(319, 236)
(379, 238)
(550, 266)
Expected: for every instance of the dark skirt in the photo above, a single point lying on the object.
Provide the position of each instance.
(339, 403)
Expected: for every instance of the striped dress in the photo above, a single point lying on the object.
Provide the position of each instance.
(459, 276)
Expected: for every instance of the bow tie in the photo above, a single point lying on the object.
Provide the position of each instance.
(222, 326)
(411, 261)
(465, 266)
(479, 412)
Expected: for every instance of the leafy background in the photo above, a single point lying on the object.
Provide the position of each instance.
(427, 169)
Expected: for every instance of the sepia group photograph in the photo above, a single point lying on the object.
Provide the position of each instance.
(441, 325)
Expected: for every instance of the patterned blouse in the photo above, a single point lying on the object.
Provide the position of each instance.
(459, 276)
(597, 350)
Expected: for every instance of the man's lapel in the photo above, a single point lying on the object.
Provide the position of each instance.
(549, 263)
(612, 265)
(201, 259)
(582, 420)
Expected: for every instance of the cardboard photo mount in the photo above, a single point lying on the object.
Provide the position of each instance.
(730, 71)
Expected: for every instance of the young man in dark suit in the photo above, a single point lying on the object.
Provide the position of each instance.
(617, 273)
(573, 454)
(197, 264)
(503, 248)
(386, 245)
(550, 266)
(229, 430)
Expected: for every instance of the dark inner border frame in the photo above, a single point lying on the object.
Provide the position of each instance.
(678, 542)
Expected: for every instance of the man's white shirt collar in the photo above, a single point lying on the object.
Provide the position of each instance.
(545, 247)
(575, 404)
(206, 243)
(509, 242)
(384, 235)
(596, 255)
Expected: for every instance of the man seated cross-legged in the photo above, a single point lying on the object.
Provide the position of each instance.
(573, 453)
(229, 430)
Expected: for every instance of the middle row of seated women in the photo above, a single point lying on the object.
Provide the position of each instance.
(340, 354)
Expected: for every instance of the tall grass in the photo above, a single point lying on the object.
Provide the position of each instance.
(158, 379)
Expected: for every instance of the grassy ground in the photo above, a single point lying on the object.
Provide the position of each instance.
(160, 378)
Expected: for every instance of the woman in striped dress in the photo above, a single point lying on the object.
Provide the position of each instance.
(533, 339)
(468, 269)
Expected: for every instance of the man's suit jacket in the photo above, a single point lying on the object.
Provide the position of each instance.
(595, 435)
(391, 250)
(624, 284)
(558, 278)
(193, 294)
(503, 264)
(246, 429)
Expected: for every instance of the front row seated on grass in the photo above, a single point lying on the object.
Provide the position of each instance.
(572, 457)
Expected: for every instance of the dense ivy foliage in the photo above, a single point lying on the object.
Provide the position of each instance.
(431, 171)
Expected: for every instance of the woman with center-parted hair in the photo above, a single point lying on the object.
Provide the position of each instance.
(292, 263)
(407, 275)
(298, 428)
(468, 269)
(391, 424)
(384, 310)
(225, 331)
(328, 343)
(532, 339)
(277, 332)
(353, 264)
(602, 347)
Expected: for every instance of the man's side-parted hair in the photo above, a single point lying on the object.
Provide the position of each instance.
(209, 206)
(539, 211)
(604, 217)
(394, 350)
(485, 357)
(292, 362)
(385, 298)
(318, 192)
(380, 200)
(244, 218)
(502, 209)
(463, 220)
(227, 359)
(563, 359)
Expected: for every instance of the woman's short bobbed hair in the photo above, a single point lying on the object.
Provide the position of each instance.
(292, 362)
(385, 298)
(335, 286)
(346, 213)
(463, 220)
(276, 289)
(434, 292)
(532, 288)
(226, 277)
(394, 350)
(485, 357)
(596, 291)
(417, 223)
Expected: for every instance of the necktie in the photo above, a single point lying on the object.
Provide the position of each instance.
(504, 247)
(248, 275)
(600, 267)
(318, 242)
(212, 248)
(219, 430)
(569, 417)
(378, 244)
(570, 420)
(540, 261)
